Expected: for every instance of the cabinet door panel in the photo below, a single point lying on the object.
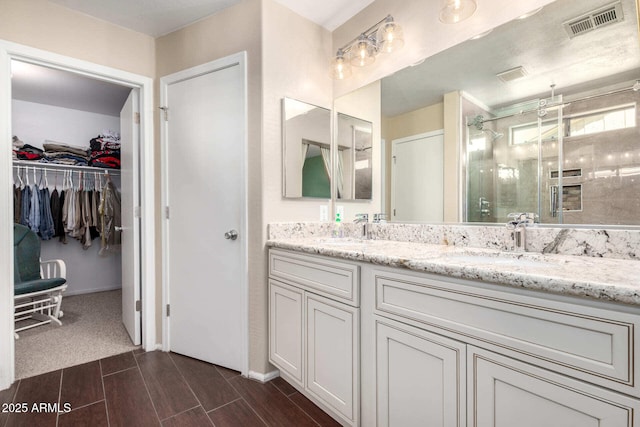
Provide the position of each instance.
(286, 329)
(332, 354)
(420, 377)
(505, 393)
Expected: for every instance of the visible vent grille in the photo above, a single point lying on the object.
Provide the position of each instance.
(595, 19)
(512, 74)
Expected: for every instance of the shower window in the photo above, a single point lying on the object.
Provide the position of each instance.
(528, 133)
(620, 117)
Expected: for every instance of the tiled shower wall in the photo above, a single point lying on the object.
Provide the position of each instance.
(606, 192)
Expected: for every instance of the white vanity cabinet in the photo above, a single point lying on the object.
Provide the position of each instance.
(314, 324)
(420, 377)
(504, 392)
(463, 353)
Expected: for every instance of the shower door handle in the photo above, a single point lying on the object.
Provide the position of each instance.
(554, 200)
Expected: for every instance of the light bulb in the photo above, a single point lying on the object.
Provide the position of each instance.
(363, 52)
(340, 67)
(454, 11)
(389, 36)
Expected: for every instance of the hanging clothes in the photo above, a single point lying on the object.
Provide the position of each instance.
(110, 218)
(17, 203)
(46, 218)
(57, 198)
(34, 210)
(26, 205)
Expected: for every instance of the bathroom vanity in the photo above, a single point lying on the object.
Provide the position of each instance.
(383, 333)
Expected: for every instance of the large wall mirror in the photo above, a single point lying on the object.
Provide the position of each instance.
(354, 165)
(306, 150)
(549, 116)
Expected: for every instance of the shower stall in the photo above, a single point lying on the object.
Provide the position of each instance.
(571, 161)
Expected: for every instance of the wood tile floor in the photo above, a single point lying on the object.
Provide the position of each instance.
(155, 389)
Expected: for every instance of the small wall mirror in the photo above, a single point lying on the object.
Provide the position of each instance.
(354, 162)
(306, 150)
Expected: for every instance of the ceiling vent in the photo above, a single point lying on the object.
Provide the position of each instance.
(512, 74)
(595, 19)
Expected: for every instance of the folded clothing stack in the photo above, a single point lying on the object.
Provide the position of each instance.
(22, 151)
(56, 152)
(105, 150)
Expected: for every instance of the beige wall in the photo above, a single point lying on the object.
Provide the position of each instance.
(364, 104)
(47, 26)
(200, 43)
(415, 122)
(294, 64)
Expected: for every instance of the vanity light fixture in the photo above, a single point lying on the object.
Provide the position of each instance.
(385, 36)
(454, 11)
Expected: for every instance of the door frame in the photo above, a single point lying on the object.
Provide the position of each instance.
(9, 51)
(241, 60)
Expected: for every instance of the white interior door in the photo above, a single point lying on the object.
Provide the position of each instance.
(129, 139)
(204, 149)
(417, 178)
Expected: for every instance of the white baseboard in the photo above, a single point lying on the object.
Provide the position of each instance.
(72, 292)
(263, 378)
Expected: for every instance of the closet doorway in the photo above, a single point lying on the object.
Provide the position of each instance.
(129, 267)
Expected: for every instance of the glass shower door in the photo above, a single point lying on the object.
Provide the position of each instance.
(510, 159)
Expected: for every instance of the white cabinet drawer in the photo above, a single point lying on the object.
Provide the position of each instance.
(333, 279)
(586, 342)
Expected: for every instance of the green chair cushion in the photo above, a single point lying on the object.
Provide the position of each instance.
(26, 250)
(37, 285)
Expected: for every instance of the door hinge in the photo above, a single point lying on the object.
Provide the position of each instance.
(168, 310)
(166, 212)
(394, 212)
(136, 212)
(136, 118)
(138, 305)
(165, 110)
(394, 160)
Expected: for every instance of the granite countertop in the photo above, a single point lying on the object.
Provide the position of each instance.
(615, 280)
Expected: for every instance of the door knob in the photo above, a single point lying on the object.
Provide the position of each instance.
(117, 228)
(231, 235)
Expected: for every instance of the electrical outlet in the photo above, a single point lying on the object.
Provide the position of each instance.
(324, 212)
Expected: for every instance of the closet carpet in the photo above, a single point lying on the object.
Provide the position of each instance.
(91, 329)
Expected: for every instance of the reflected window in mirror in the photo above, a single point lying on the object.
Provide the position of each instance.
(354, 167)
(306, 150)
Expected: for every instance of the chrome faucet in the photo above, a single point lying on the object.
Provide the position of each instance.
(517, 227)
(363, 219)
(379, 218)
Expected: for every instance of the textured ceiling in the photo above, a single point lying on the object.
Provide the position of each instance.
(159, 17)
(605, 56)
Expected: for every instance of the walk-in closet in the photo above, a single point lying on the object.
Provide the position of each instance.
(75, 172)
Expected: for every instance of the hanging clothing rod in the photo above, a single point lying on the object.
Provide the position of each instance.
(55, 167)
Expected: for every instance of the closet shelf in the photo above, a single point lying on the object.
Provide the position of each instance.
(60, 167)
